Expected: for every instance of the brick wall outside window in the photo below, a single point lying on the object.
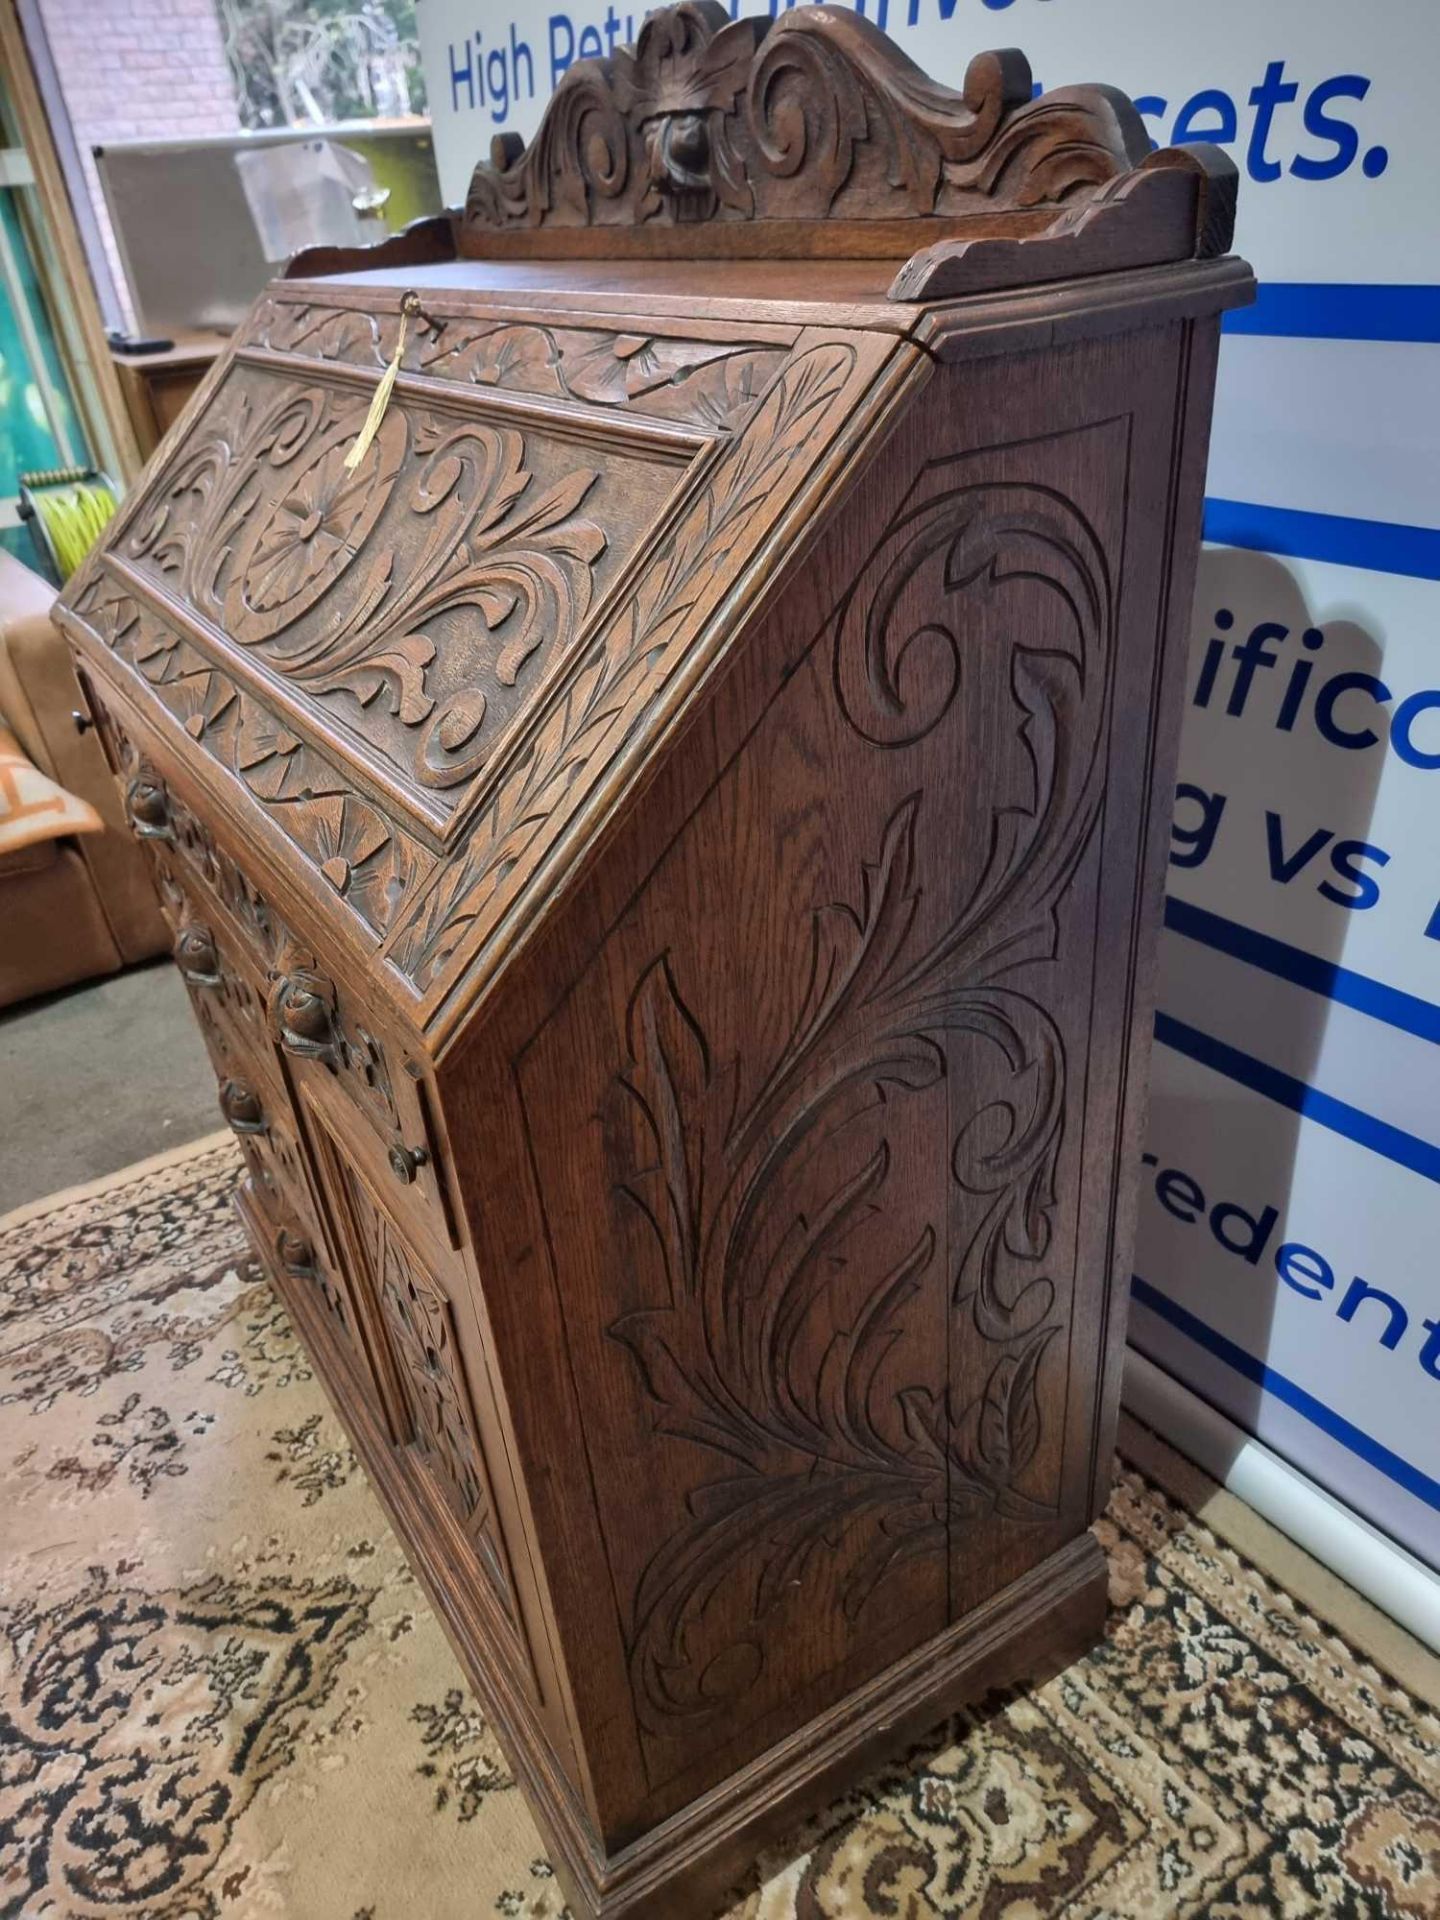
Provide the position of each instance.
(138, 69)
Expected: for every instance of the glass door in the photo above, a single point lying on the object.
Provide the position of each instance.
(39, 427)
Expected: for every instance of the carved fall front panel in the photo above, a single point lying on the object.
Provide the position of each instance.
(411, 607)
(630, 659)
(820, 1295)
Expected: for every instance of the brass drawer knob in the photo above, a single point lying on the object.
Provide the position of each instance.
(240, 1104)
(296, 1254)
(305, 1016)
(406, 1162)
(148, 805)
(197, 957)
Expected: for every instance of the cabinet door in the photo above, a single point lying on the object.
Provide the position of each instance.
(412, 1326)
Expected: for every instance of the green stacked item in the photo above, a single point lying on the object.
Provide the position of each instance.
(68, 508)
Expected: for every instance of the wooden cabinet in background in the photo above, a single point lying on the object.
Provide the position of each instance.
(666, 853)
(158, 385)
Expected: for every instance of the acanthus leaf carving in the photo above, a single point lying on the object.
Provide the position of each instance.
(810, 1455)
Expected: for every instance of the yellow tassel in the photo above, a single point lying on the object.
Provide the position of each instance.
(410, 304)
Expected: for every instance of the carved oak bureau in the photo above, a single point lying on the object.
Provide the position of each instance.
(653, 703)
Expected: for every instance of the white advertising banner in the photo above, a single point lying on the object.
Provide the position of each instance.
(1286, 1266)
(1310, 765)
(1286, 1272)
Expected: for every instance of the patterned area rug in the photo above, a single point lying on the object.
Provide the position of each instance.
(223, 1697)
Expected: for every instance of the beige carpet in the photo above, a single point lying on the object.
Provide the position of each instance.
(222, 1696)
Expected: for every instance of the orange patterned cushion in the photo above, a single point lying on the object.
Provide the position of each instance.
(32, 807)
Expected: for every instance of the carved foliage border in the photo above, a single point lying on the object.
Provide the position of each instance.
(709, 384)
(802, 1454)
(370, 864)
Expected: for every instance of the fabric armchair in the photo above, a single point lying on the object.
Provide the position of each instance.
(77, 906)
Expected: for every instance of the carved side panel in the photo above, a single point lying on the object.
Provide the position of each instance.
(1012, 1006)
(409, 610)
(819, 1287)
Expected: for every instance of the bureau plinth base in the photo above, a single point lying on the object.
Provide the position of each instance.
(685, 1869)
(1028, 1633)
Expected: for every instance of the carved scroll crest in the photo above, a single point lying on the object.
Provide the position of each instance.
(815, 114)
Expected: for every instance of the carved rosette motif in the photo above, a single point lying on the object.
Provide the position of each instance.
(805, 1456)
(259, 528)
(711, 384)
(811, 115)
(627, 665)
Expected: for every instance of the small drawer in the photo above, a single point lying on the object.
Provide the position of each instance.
(184, 846)
(188, 860)
(228, 993)
(215, 961)
(231, 993)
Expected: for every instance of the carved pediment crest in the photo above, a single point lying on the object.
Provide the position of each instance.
(815, 114)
